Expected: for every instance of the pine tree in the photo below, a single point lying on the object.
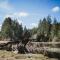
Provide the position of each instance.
(12, 30)
(49, 25)
(26, 35)
(55, 27)
(7, 28)
(17, 30)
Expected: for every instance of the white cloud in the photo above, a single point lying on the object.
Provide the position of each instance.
(19, 20)
(32, 25)
(17, 15)
(8, 15)
(23, 14)
(5, 5)
(56, 9)
(14, 17)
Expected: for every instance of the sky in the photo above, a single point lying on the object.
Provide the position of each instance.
(29, 12)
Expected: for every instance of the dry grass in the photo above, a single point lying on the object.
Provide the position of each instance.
(5, 55)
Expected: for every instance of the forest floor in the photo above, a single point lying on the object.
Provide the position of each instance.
(8, 55)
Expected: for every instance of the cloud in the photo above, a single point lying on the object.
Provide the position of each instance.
(17, 15)
(14, 17)
(23, 14)
(8, 15)
(4, 4)
(32, 25)
(20, 21)
(56, 9)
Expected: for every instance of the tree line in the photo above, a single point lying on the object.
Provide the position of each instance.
(46, 30)
(13, 31)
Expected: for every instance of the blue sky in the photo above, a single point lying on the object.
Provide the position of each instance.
(29, 12)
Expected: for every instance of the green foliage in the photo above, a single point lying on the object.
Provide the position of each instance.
(12, 29)
(45, 31)
(26, 35)
(7, 28)
(44, 28)
(0, 36)
(55, 28)
(49, 20)
(33, 31)
(17, 30)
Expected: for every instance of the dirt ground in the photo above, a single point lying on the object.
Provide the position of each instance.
(5, 55)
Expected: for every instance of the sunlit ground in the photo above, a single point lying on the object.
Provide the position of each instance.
(5, 55)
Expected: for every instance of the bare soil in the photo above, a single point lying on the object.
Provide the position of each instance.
(6, 55)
